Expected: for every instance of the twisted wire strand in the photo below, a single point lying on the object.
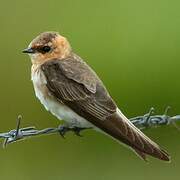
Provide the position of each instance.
(142, 122)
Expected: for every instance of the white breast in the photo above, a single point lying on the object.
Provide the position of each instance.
(61, 111)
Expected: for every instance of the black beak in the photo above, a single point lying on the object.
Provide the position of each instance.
(29, 51)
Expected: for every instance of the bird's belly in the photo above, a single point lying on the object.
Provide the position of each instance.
(61, 111)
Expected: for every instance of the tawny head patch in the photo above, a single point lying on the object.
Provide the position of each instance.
(47, 46)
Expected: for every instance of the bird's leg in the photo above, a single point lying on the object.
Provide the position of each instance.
(63, 129)
(77, 130)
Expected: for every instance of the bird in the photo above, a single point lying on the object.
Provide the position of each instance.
(71, 90)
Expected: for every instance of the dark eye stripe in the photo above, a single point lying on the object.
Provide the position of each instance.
(44, 49)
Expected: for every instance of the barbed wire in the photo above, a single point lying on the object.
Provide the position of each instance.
(142, 122)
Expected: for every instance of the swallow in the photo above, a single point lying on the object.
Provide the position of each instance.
(72, 91)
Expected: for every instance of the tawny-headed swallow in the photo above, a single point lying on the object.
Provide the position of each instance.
(72, 91)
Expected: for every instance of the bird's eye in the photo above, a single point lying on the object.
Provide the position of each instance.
(45, 49)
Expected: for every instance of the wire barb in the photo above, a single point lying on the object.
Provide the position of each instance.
(142, 122)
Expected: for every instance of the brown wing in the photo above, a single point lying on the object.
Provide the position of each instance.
(72, 82)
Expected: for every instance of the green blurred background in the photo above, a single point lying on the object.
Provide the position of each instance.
(132, 44)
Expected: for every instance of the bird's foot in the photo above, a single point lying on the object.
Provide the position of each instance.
(77, 130)
(64, 129)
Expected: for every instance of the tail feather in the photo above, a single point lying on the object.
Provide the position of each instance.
(120, 128)
(141, 154)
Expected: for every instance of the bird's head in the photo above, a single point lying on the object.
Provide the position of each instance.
(47, 46)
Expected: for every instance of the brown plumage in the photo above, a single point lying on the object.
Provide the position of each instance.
(74, 84)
